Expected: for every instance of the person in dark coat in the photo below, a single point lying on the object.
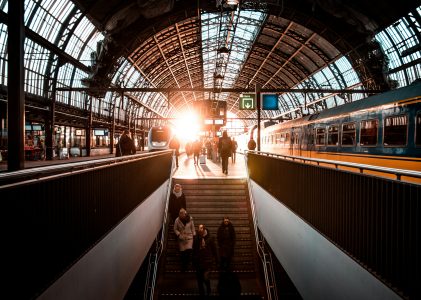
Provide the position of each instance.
(126, 144)
(204, 256)
(177, 201)
(226, 242)
(225, 150)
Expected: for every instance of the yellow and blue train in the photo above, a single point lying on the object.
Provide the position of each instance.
(381, 130)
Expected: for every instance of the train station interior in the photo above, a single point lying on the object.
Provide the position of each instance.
(299, 121)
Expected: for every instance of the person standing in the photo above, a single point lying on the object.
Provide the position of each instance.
(234, 150)
(175, 145)
(251, 144)
(126, 144)
(226, 241)
(185, 232)
(204, 255)
(224, 147)
(177, 201)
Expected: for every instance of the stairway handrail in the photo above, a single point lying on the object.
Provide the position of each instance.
(265, 256)
(159, 245)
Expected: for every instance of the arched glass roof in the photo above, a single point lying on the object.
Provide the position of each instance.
(63, 48)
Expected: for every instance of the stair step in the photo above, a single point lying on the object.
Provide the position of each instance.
(217, 198)
(210, 181)
(207, 202)
(189, 187)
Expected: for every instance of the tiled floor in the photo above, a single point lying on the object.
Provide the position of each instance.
(187, 168)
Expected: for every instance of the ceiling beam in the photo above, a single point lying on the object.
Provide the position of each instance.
(222, 90)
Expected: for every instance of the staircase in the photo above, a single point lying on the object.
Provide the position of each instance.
(208, 200)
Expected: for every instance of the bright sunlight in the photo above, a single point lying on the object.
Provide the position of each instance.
(187, 126)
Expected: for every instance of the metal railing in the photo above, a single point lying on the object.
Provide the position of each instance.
(399, 173)
(265, 256)
(159, 246)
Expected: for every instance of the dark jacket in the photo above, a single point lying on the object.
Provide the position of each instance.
(204, 257)
(126, 145)
(175, 144)
(226, 239)
(225, 147)
(176, 204)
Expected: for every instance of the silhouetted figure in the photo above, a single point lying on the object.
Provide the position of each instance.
(175, 145)
(224, 148)
(226, 241)
(197, 147)
(234, 150)
(126, 144)
(204, 255)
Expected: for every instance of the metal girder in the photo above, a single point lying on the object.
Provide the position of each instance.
(48, 45)
(221, 90)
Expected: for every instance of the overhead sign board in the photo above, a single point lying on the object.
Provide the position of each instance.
(270, 102)
(248, 101)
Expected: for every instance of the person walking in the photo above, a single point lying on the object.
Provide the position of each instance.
(197, 147)
(224, 148)
(126, 144)
(226, 241)
(185, 232)
(177, 201)
(204, 255)
(175, 145)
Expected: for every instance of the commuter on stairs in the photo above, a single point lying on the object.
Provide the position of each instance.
(204, 256)
(177, 201)
(185, 232)
(226, 242)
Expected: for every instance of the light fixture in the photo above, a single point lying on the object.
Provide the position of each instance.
(218, 79)
(233, 2)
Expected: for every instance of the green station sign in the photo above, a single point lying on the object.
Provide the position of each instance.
(248, 101)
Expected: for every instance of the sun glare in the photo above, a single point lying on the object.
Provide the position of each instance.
(187, 126)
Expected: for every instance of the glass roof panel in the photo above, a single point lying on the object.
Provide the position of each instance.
(47, 17)
(245, 25)
(398, 42)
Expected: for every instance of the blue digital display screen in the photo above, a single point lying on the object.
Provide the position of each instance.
(270, 102)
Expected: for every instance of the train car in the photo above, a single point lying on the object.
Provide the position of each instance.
(159, 138)
(381, 130)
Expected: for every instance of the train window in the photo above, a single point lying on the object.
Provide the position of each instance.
(282, 138)
(277, 138)
(368, 132)
(333, 135)
(348, 134)
(320, 136)
(395, 130)
(287, 138)
(418, 129)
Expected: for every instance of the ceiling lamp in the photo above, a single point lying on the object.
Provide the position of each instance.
(223, 50)
(218, 79)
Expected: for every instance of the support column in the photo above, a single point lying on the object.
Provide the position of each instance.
(15, 85)
(258, 106)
